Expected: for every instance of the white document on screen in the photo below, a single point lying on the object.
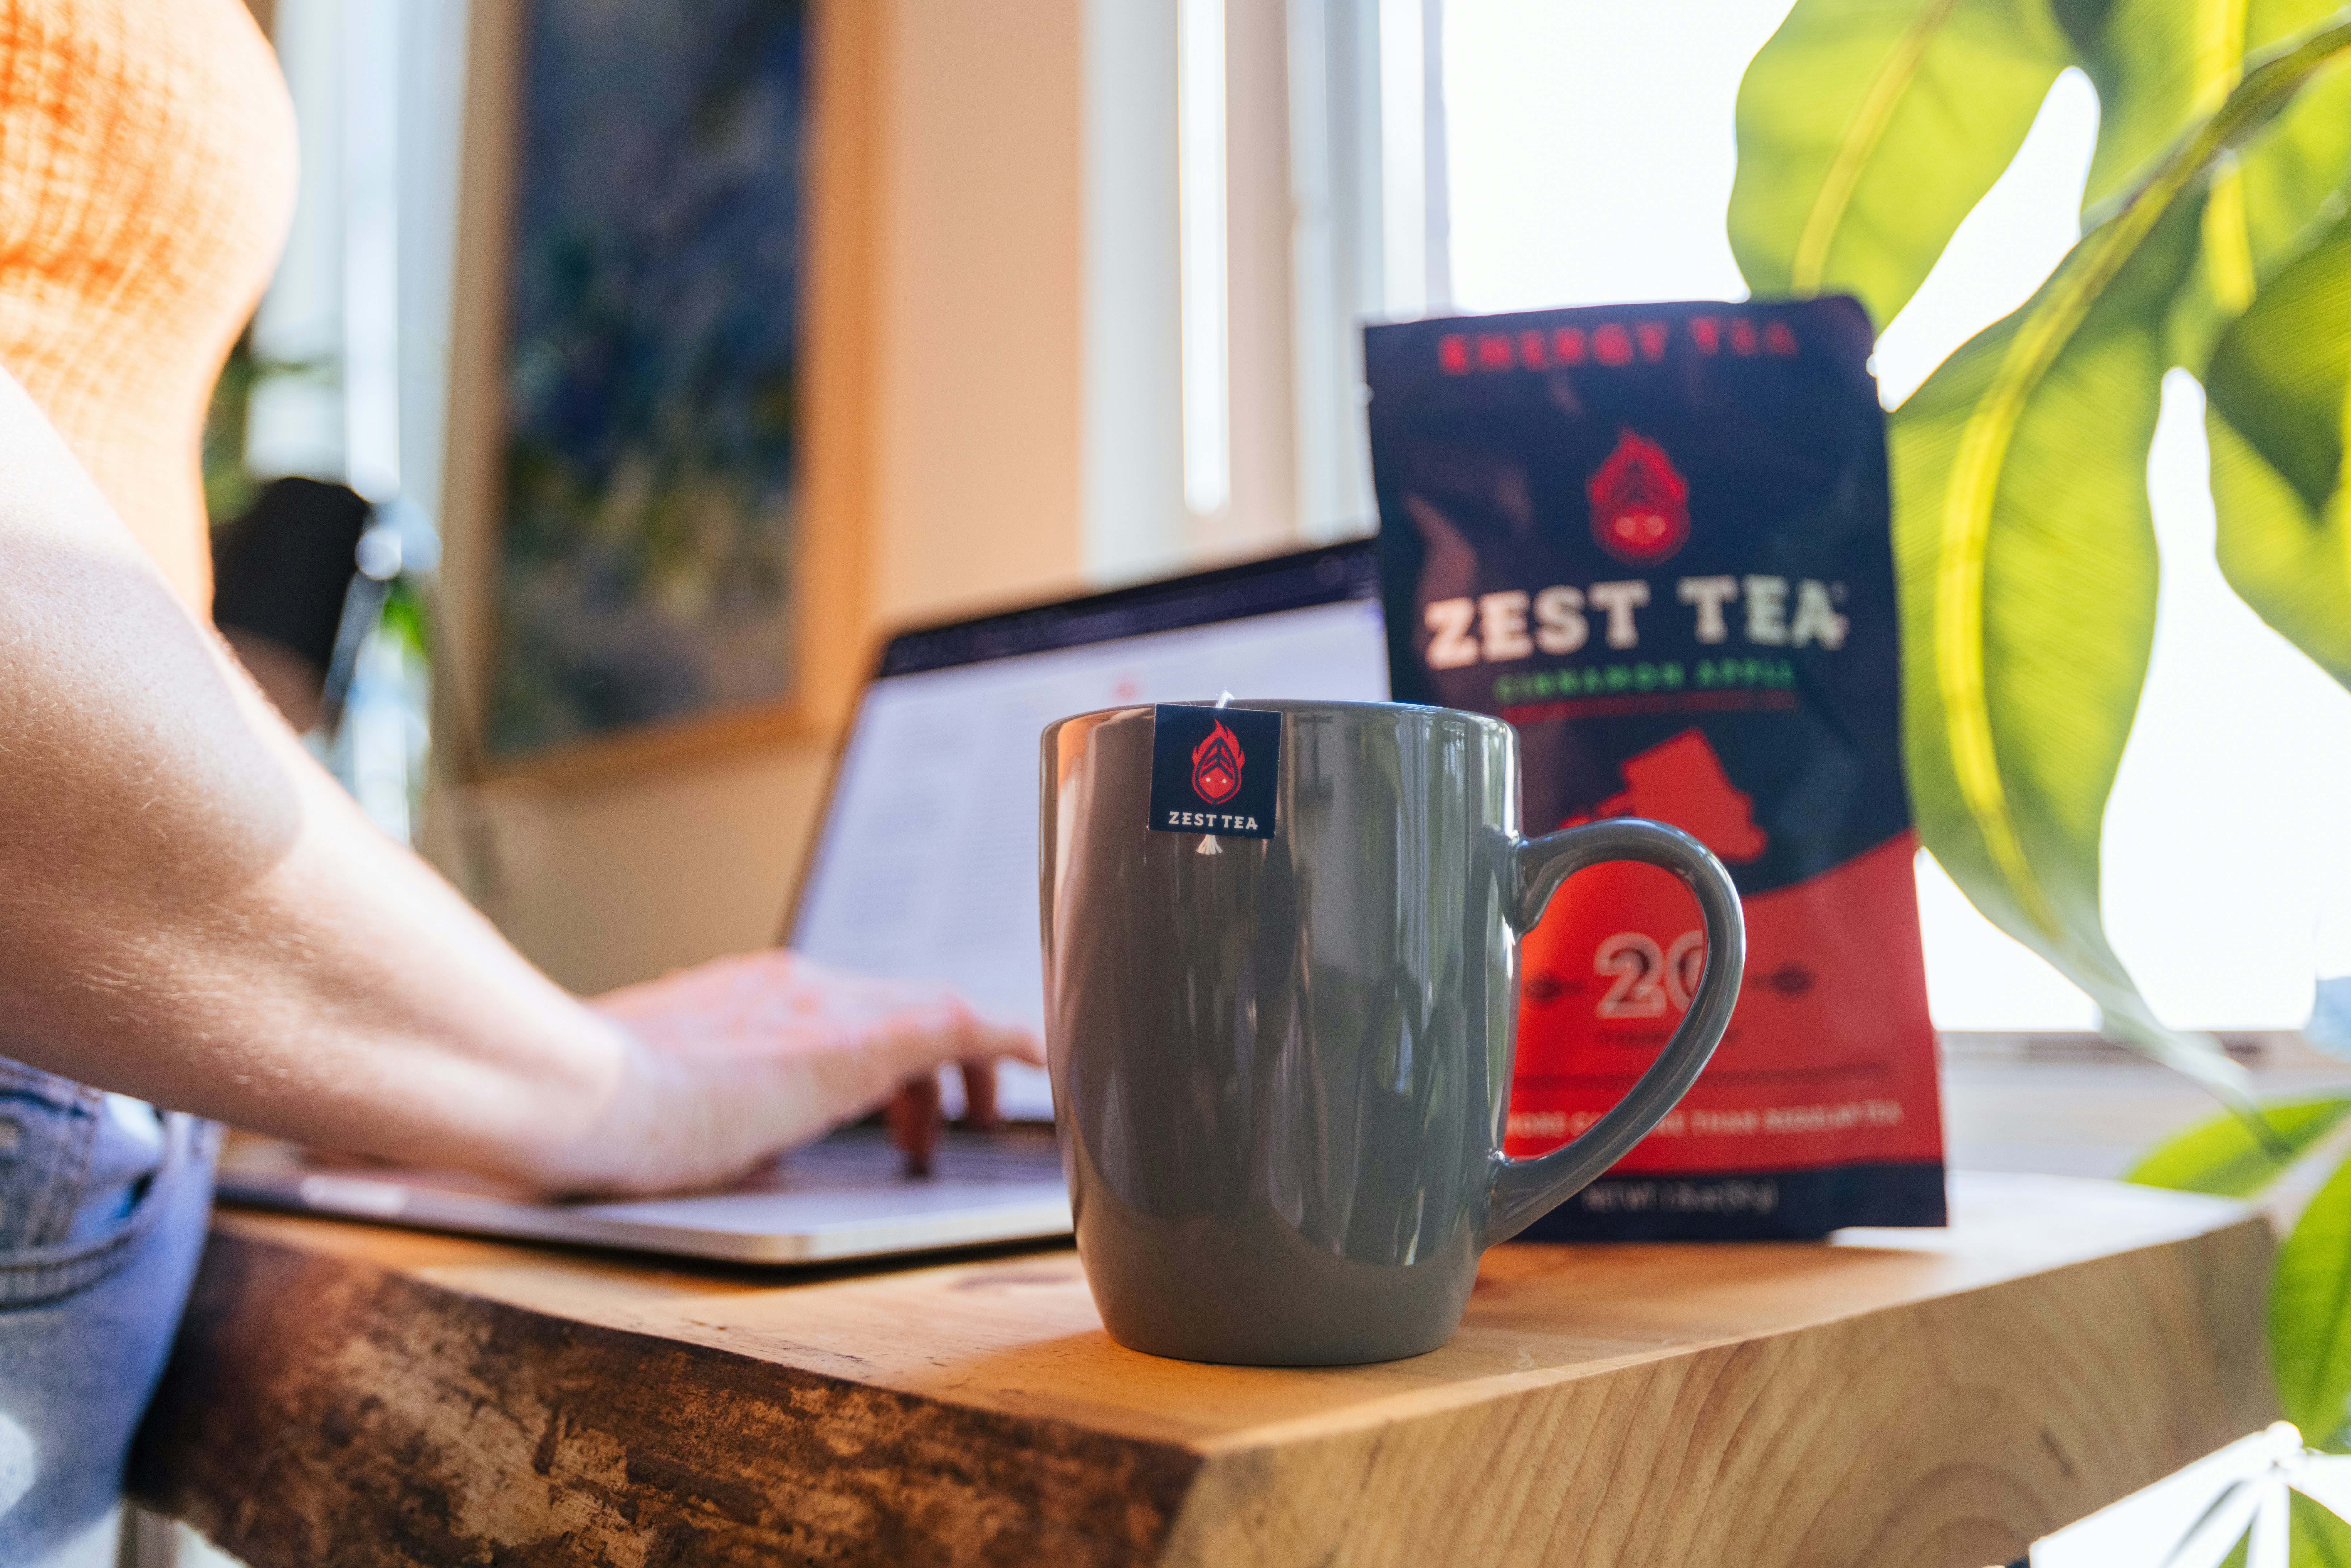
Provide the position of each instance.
(927, 865)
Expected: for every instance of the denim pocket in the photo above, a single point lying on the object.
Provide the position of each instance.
(53, 1240)
(103, 1210)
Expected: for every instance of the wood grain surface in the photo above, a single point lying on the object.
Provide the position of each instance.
(352, 1395)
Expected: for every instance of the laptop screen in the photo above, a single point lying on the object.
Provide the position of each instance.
(925, 865)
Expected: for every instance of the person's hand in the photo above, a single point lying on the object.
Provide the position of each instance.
(913, 1114)
(726, 1062)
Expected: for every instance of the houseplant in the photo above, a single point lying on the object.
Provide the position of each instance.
(2214, 239)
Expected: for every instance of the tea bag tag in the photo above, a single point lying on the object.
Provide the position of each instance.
(1215, 771)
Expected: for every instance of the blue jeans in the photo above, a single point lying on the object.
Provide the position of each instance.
(103, 1210)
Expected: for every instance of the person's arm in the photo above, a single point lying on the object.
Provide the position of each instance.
(192, 912)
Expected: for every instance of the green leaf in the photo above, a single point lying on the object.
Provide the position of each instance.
(2028, 568)
(2280, 397)
(2270, 200)
(2161, 67)
(2310, 1315)
(2316, 1538)
(2027, 561)
(2164, 66)
(2232, 1155)
(1868, 129)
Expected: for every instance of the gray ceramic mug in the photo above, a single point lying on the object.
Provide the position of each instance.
(1281, 1068)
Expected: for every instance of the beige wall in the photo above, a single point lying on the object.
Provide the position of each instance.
(608, 883)
(978, 479)
(973, 495)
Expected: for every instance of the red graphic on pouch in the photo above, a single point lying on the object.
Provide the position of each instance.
(1830, 958)
(1217, 767)
(1640, 505)
(1680, 782)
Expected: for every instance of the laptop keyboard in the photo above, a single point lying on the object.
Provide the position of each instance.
(861, 1157)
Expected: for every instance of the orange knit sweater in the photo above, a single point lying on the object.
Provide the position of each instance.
(146, 177)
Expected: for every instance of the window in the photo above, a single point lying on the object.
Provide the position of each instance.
(1584, 154)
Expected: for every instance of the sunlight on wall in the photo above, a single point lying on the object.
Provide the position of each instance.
(1592, 147)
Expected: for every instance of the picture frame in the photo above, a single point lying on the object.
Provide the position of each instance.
(826, 602)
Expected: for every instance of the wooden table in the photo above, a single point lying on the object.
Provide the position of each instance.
(356, 1397)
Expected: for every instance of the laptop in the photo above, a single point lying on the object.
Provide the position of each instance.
(911, 874)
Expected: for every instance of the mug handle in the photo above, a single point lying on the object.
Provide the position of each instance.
(1520, 1192)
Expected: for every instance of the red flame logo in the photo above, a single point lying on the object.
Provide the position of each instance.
(1217, 766)
(1640, 506)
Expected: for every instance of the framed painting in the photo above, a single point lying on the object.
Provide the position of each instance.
(636, 473)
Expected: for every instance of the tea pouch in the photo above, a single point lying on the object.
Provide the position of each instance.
(1654, 539)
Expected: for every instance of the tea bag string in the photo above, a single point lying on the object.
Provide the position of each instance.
(1208, 845)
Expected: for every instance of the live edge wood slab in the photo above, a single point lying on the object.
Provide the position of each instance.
(358, 1397)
